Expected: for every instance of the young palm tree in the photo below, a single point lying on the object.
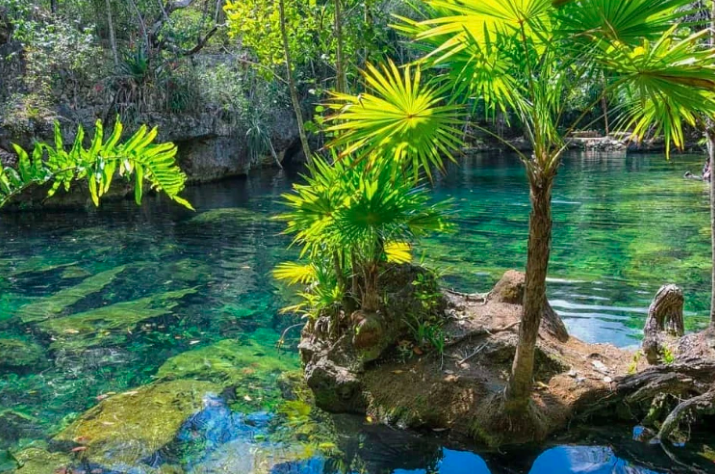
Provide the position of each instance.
(530, 57)
(356, 215)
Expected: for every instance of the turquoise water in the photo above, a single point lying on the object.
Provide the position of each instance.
(145, 302)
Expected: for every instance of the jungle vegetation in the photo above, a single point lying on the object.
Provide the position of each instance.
(528, 58)
(388, 87)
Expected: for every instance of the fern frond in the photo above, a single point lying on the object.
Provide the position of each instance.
(138, 157)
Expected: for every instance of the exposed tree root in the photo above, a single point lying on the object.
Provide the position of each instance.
(701, 405)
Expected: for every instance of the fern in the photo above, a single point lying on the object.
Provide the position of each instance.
(138, 158)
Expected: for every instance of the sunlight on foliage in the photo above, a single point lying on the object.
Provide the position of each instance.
(403, 118)
(98, 165)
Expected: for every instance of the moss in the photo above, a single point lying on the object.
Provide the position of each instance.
(40, 461)
(75, 272)
(227, 216)
(53, 305)
(17, 354)
(93, 327)
(130, 426)
(252, 368)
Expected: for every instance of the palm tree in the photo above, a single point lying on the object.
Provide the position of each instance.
(351, 216)
(530, 57)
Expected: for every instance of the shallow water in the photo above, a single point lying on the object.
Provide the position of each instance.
(115, 299)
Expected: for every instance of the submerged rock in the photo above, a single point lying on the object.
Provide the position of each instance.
(40, 461)
(129, 427)
(54, 305)
(91, 328)
(226, 217)
(16, 354)
(15, 425)
(249, 368)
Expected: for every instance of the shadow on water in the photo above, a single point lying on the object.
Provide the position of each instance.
(98, 302)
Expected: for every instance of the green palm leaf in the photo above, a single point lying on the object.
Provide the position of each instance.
(401, 118)
(138, 157)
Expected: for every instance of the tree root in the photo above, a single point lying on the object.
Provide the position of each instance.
(701, 405)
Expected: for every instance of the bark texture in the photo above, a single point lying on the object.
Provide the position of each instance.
(540, 224)
(291, 83)
(665, 319)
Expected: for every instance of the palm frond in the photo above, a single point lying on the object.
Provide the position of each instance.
(138, 157)
(403, 119)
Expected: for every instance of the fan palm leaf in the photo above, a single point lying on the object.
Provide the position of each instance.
(402, 118)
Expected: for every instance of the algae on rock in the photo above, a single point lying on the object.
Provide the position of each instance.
(247, 365)
(40, 461)
(51, 306)
(230, 216)
(128, 427)
(17, 354)
(88, 329)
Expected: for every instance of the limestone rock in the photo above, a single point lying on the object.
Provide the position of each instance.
(128, 427)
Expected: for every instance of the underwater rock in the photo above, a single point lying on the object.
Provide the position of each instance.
(15, 425)
(51, 306)
(131, 426)
(16, 354)
(226, 217)
(40, 461)
(251, 368)
(92, 359)
(75, 272)
(210, 429)
(108, 323)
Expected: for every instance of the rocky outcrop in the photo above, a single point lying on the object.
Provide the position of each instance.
(336, 351)
(460, 390)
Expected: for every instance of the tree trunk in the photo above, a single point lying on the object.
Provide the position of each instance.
(371, 294)
(522, 372)
(291, 83)
(341, 80)
(53, 6)
(665, 319)
(112, 38)
(710, 133)
(142, 26)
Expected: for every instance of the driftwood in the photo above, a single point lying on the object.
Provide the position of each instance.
(665, 320)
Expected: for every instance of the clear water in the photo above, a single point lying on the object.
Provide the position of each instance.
(107, 297)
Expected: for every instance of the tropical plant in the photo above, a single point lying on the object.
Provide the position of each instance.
(529, 57)
(351, 217)
(98, 165)
(401, 118)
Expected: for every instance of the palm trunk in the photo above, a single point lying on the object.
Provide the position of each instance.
(341, 73)
(291, 83)
(112, 38)
(710, 133)
(371, 294)
(522, 373)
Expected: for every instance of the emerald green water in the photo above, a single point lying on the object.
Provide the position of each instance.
(114, 299)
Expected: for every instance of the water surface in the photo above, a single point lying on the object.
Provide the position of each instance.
(113, 299)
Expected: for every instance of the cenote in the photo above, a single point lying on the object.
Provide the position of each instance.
(156, 309)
